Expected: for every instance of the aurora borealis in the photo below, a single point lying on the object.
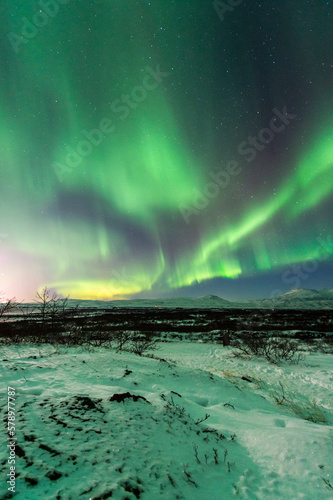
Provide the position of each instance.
(157, 148)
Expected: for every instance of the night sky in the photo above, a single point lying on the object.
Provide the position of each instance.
(166, 148)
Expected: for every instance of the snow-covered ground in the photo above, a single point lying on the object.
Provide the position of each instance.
(75, 440)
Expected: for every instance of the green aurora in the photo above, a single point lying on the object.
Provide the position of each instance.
(150, 148)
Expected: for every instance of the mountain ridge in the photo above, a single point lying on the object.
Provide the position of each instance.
(300, 298)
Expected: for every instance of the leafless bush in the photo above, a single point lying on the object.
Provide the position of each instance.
(175, 409)
(98, 339)
(52, 308)
(142, 342)
(120, 339)
(46, 303)
(325, 345)
(6, 306)
(306, 409)
(125, 340)
(72, 336)
(274, 349)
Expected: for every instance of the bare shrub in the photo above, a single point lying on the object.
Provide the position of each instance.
(6, 306)
(46, 300)
(98, 339)
(325, 345)
(274, 349)
(120, 340)
(142, 342)
(306, 409)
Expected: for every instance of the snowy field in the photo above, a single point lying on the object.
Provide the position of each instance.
(200, 424)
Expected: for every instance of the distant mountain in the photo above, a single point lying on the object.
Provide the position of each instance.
(300, 293)
(300, 298)
(212, 301)
(205, 302)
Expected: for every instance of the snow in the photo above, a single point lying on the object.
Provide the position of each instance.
(74, 442)
(301, 292)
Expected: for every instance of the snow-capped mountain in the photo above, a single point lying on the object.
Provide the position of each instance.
(301, 293)
(299, 298)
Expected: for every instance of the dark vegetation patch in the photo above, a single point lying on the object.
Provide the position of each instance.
(120, 398)
(31, 481)
(54, 475)
(50, 450)
(84, 403)
(19, 452)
